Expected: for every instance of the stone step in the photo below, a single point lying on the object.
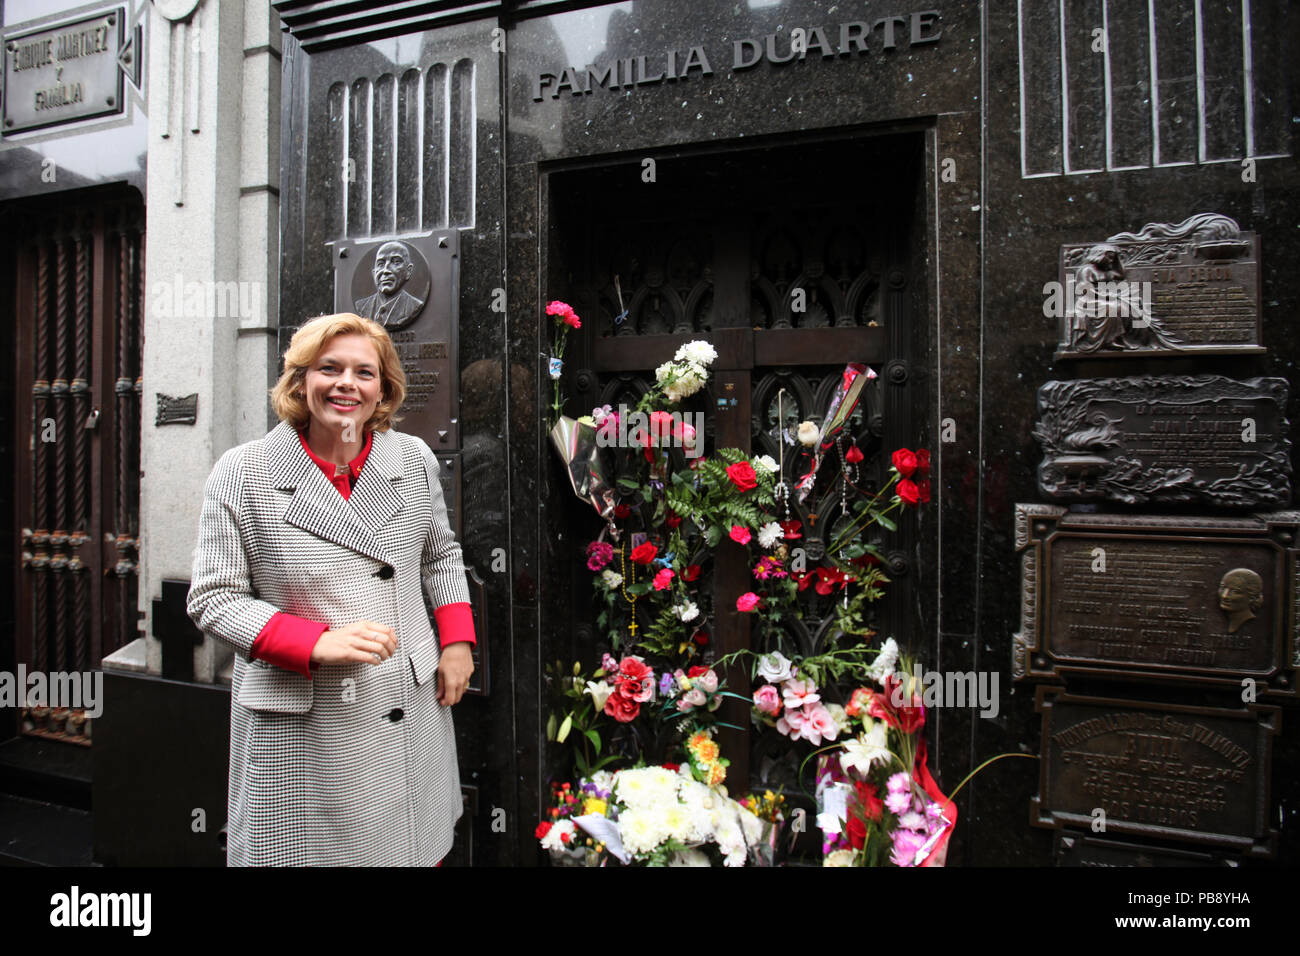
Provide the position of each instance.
(35, 833)
(47, 771)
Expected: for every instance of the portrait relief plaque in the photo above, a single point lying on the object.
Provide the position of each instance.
(1205, 438)
(1164, 771)
(1168, 289)
(410, 285)
(1197, 600)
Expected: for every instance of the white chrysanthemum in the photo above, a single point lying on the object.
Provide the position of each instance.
(767, 463)
(700, 353)
(677, 821)
(664, 372)
(612, 579)
(885, 661)
(646, 787)
(865, 751)
(552, 840)
(751, 825)
(769, 534)
(686, 612)
(642, 830)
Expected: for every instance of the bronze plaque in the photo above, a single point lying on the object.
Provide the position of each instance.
(1199, 600)
(1168, 289)
(1204, 438)
(411, 287)
(63, 73)
(1071, 849)
(1164, 771)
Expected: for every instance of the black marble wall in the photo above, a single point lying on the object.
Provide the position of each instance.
(1032, 138)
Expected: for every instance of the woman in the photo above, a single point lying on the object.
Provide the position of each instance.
(322, 548)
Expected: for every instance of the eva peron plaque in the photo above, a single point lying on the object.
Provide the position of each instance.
(410, 286)
(1206, 438)
(1208, 601)
(1166, 771)
(1169, 289)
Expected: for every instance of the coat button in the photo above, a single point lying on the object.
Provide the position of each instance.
(385, 572)
(396, 714)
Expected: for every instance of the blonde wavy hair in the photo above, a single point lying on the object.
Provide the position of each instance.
(288, 398)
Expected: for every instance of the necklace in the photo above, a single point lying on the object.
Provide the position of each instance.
(630, 598)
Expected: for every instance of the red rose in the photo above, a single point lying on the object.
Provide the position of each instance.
(623, 709)
(691, 573)
(695, 672)
(742, 476)
(857, 830)
(644, 553)
(904, 462)
(673, 520)
(908, 491)
(872, 805)
(622, 511)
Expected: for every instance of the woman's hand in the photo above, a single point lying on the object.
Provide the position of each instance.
(361, 642)
(454, 669)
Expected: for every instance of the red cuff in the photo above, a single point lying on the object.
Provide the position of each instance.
(287, 641)
(455, 623)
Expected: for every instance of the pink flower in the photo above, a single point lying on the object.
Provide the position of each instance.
(663, 580)
(707, 682)
(747, 601)
(691, 699)
(564, 313)
(791, 724)
(767, 700)
(740, 534)
(599, 554)
(818, 724)
(797, 693)
(899, 802)
(906, 845)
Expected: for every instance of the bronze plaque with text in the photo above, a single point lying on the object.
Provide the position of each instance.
(1168, 289)
(1203, 438)
(1165, 771)
(411, 287)
(1198, 600)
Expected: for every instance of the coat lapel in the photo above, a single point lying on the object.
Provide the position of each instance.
(318, 508)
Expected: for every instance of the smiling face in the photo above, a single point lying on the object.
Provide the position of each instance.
(393, 266)
(343, 385)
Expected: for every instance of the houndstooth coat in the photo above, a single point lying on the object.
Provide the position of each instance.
(358, 764)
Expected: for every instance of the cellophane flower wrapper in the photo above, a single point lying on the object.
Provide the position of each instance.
(574, 441)
(847, 395)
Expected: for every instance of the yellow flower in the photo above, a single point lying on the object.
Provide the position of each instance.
(594, 805)
(717, 774)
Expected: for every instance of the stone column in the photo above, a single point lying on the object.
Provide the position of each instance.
(211, 273)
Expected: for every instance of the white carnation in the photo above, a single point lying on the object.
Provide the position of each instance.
(686, 612)
(612, 579)
(769, 534)
(885, 661)
(552, 840)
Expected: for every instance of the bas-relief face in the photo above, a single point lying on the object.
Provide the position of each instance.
(347, 370)
(1241, 592)
(393, 267)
